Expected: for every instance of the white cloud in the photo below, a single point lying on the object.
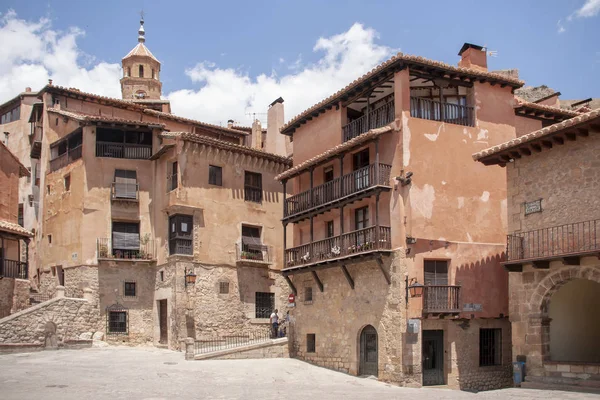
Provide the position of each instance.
(33, 52)
(590, 8)
(560, 26)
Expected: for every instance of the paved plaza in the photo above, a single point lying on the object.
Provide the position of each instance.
(153, 374)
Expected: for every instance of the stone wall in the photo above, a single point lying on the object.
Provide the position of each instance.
(71, 317)
(14, 295)
(6, 296)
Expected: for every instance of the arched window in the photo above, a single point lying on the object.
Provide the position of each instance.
(141, 71)
(153, 74)
(128, 71)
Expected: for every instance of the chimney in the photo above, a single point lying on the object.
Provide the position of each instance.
(256, 136)
(27, 90)
(229, 123)
(473, 56)
(275, 142)
(50, 82)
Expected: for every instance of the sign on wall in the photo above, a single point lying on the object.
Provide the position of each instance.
(472, 307)
(533, 207)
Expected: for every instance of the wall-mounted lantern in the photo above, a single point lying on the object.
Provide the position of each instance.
(415, 288)
(190, 277)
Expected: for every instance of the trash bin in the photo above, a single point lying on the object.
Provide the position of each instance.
(518, 368)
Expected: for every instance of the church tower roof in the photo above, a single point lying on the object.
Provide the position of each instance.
(140, 49)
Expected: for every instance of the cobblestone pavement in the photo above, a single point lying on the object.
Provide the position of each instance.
(153, 374)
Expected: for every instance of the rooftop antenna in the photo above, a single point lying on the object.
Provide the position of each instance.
(254, 114)
(491, 53)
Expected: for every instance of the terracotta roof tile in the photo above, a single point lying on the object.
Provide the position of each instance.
(173, 117)
(580, 119)
(142, 51)
(542, 107)
(409, 59)
(77, 92)
(11, 227)
(193, 137)
(334, 151)
(100, 118)
(23, 171)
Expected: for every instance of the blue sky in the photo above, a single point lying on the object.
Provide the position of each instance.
(211, 43)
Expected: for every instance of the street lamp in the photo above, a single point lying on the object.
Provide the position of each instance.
(190, 277)
(415, 288)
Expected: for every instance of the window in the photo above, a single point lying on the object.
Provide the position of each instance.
(490, 347)
(67, 180)
(128, 71)
(49, 239)
(48, 189)
(162, 276)
(61, 275)
(66, 150)
(11, 115)
(361, 218)
(20, 215)
(308, 294)
(172, 177)
(56, 122)
(122, 143)
(117, 322)
(223, 287)
(265, 304)
(181, 228)
(329, 225)
(129, 289)
(125, 185)
(55, 100)
(252, 247)
(215, 175)
(311, 343)
(153, 74)
(126, 240)
(436, 272)
(253, 187)
(141, 71)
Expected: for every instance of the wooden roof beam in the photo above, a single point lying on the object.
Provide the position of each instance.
(525, 151)
(546, 143)
(558, 139)
(515, 154)
(536, 147)
(571, 136)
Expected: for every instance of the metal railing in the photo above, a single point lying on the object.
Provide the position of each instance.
(346, 185)
(442, 111)
(250, 253)
(225, 342)
(556, 241)
(377, 118)
(123, 150)
(125, 191)
(441, 299)
(365, 240)
(105, 250)
(65, 158)
(13, 269)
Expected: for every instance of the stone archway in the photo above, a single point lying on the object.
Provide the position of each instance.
(542, 296)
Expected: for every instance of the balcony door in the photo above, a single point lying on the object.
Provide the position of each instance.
(361, 222)
(126, 239)
(125, 184)
(436, 275)
(328, 177)
(360, 166)
(252, 247)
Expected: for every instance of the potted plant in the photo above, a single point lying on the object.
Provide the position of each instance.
(103, 251)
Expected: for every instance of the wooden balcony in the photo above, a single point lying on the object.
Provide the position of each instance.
(349, 245)
(342, 190)
(567, 242)
(123, 150)
(13, 269)
(66, 158)
(381, 116)
(442, 111)
(441, 299)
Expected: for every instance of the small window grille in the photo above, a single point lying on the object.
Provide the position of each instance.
(265, 304)
(117, 322)
(223, 287)
(490, 347)
(308, 295)
(129, 289)
(311, 344)
(253, 187)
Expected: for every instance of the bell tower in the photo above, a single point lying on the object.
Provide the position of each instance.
(141, 71)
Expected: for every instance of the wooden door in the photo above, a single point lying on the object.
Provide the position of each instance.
(368, 351)
(162, 314)
(433, 357)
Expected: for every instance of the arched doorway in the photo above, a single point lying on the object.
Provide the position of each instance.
(369, 349)
(575, 322)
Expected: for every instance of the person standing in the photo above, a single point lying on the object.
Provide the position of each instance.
(274, 323)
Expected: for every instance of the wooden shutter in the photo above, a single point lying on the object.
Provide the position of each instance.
(125, 184)
(126, 236)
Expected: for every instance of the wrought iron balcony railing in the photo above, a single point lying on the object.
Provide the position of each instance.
(13, 269)
(338, 188)
(366, 240)
(381, 116)
(554, 242)
(440, 299)
(143, 251)
(442, 111)
(252, 253)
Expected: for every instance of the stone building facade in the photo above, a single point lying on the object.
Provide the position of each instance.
(133, 201)
(553, 177)
(384, 201)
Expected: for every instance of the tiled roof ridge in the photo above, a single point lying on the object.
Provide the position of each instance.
(402, 57)
(11, 227)
(543, 107)
(334, 150)
(93, 117)
(138, 49)
(76, 91)
(23, 171)
(581, 118)
(193, 121)
(194, 137)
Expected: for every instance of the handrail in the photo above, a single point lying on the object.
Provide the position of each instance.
(377, 118)
(13, 268)
(578, 237)
(353, 182)
(66, 158)
(144, 252)
(123, 150)
(441, 298)
(442, 111)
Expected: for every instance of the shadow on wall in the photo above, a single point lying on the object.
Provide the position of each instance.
(484, 282)
(266, 196)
